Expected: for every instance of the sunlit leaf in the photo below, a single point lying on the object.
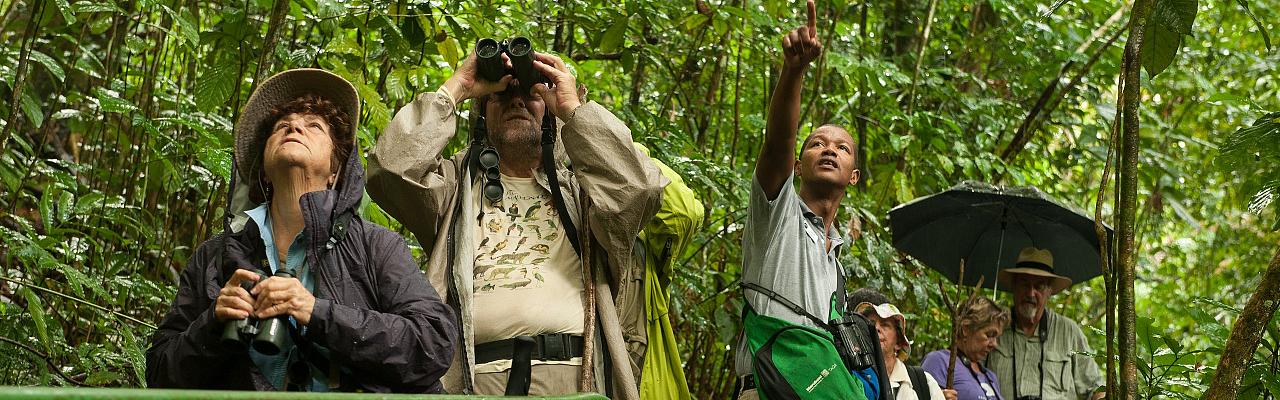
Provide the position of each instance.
(31, 107)
(49, 64)
(613, 37)
(694, 21)
(131, 342)
(65, 113)
(218, 161)
(187, 27)
(215, 84)
(1169, 21)
(110, 102)
(451, 51)
(36, 308)
(86, 6)
(377, 111)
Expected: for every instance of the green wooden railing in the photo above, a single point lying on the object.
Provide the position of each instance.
(12, 392)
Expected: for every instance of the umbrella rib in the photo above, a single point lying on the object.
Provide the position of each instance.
(1017, 218)
(973, 243)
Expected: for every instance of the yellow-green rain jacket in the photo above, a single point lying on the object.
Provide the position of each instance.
(664, 240)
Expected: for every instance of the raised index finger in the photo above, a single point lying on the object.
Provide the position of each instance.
(813, 19)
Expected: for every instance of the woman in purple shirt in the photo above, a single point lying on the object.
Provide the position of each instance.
(980, 323)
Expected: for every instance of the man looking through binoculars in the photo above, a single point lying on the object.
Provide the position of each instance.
(530, 228)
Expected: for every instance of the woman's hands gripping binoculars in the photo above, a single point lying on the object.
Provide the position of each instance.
(255, 309)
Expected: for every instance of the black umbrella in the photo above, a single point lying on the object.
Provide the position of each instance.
(986, 226)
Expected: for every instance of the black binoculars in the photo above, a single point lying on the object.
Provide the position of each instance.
(266, 335)
(853, 342)
(489, 61)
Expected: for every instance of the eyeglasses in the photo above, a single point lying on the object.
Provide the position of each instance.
(489, 164)
(1039, 285)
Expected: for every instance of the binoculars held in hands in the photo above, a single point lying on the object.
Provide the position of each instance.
(489, 62)
(266, 335)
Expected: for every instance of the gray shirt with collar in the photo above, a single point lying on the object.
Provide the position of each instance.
(784, 250)
(1069, 373)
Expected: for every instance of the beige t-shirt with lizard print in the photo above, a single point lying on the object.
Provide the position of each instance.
(528, 280)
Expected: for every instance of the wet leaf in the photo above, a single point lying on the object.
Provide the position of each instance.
(613, 38)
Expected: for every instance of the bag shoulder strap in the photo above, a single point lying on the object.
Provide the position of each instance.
(549, 167)
(842, 294)
(785, 302)
(918, 382)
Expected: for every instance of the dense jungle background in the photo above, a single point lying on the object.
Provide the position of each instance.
(116, 139)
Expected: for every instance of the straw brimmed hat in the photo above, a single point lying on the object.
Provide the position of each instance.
(280, 89)
(1035, 262)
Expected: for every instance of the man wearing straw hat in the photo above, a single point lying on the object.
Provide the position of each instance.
(1043, 355)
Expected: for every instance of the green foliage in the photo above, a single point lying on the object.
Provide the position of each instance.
(1254, 151)
(119, 155)
(1169, 21)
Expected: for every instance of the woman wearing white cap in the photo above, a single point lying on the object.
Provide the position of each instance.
(907, 382)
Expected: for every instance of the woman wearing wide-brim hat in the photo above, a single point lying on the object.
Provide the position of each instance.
(358, 313)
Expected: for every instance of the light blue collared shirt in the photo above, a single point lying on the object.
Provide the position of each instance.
(274, 368)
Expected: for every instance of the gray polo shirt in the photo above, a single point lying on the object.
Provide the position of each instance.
(1068, 374)
(784, 250)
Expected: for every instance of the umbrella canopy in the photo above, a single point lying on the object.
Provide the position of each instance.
(987, 226)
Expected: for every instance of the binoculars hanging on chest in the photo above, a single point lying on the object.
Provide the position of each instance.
(491, 67)
(267, 336)
(856, 341)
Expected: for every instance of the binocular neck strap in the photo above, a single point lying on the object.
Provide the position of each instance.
(549, 167)
(842, 294)
(1043, 331)
(790, 305)
(479, 137)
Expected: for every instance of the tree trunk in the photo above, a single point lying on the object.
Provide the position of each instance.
(1245, 335)
(20, 79)
(1126, 231)
(899, 32)
(278, 12)
(924, 45)
(637, 73)
(1048, 102)
(864, 174)
(1107, 251)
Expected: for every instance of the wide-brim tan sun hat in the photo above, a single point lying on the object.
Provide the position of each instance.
(1035, 262)
(279, 89)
